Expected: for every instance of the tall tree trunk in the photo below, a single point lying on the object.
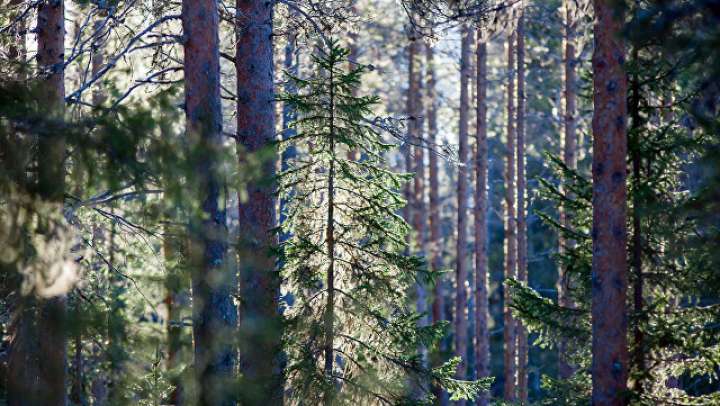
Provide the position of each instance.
(461, 275)
(510, 239)
(292, 67)
(570, 159)
(419, 208)
(52, 312)
(20, 373)
(212, 282)
(521, 216)
(609, 368)
(259, 282)
(329, 319)
(434, 241)
(482, 343)
(353, 38)
(410, 107)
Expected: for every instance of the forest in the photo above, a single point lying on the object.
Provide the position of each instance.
(359, 202)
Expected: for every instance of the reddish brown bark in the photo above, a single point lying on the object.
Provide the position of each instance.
(52, 312)
(570, 159)
(410, 107)
(259, 284)
(609, 265)
(510, 238)
(354, 48)
(438, 305)
(462, 263)
(21, 365)
(212, 283)
(419, 208)
(482, 343)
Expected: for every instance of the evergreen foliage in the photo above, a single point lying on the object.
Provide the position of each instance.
(343, 262)
(673, 307)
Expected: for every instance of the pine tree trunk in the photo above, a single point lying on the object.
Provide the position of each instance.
(510, 238)
(20, 373)
(410, 107)
(52, 312)
(521, 209)
(482, 343)
(609, 368)
(570, 159)
(461, 275)
(259, 284)
(329, 319)
(292, 67)
(434, 241)
(212, 283)
(438, 305)
(353, 40)
(419, 208)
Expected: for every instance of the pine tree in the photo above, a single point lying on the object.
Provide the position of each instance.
(350, 338)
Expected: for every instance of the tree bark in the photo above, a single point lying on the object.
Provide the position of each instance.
(52, 312)
(565, 370)
(410, 107)
(212, 282)
(638, 355)
(21, 372)
(510, 238)
(461, 275)
(329, 319)
(438, 305)
(419, 208)
(521, 214)
(609, 368)
(259, 281)
(482, 343)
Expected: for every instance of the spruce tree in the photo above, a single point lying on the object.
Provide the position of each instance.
(350, 336)
(674, 315)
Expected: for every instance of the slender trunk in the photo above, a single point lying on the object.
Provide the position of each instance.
(565, 370)
(638, 356)
(330, 242)
(435, 243)
(609, 368)
(21, 363)
(259, 282)
(212, 283)
(352, 154)
(419, 208)
(411, 107)
(291, 66)
(521, 216)
(510, 252)
(482, 343)
(461, 275)
(52, 312)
